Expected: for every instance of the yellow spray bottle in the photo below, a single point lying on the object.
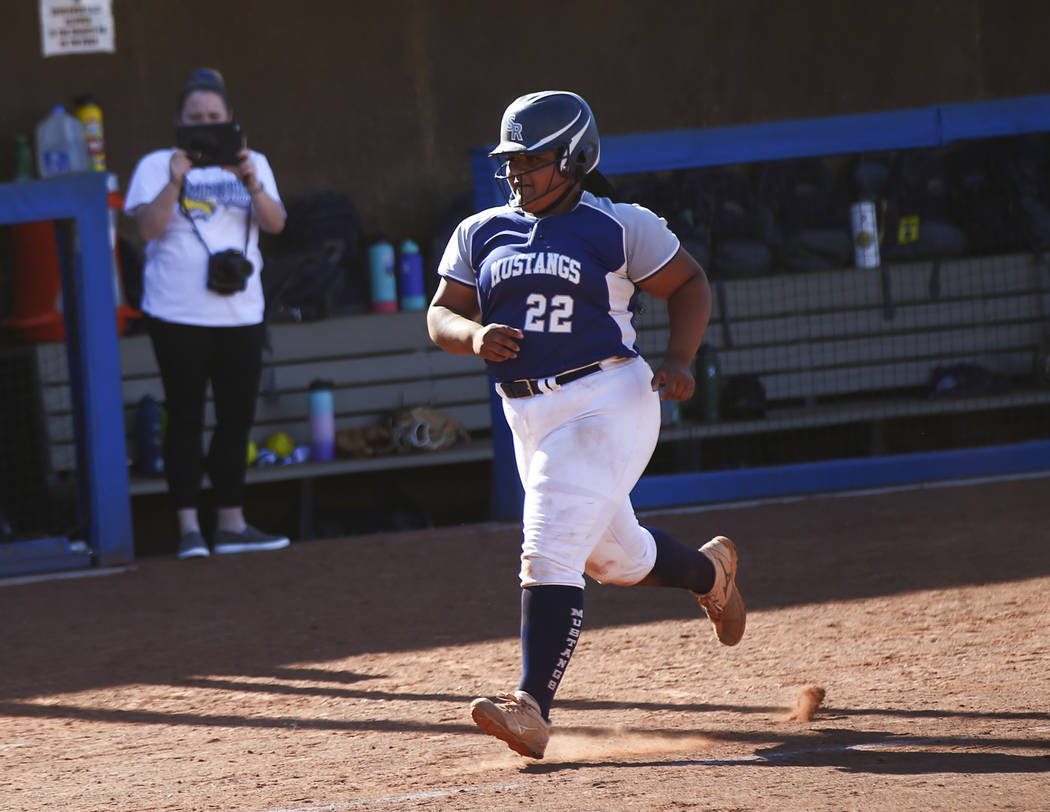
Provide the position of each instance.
(90, 116)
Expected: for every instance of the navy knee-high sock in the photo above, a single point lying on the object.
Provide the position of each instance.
(551, 620)
(679, 565)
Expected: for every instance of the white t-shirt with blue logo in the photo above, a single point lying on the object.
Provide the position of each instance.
(175, 273)
(568, 281)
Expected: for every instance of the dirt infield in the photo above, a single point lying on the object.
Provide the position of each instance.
(335, 675)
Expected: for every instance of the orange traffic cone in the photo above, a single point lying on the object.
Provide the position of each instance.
(36, 314)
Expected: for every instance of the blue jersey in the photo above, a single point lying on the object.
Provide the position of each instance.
(568, 281)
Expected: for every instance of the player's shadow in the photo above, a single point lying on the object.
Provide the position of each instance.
(871, 752)
(230, 616)
(917, 762)
(897, 763)
(599, 740)
(120, 716)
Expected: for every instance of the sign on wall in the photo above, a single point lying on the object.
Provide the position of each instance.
(76, 26)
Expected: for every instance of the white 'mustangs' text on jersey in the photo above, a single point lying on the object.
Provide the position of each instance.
(568, 281)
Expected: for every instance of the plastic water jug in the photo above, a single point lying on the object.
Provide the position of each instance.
(60, 144)
(382, 278)
(322, 421)
(410, 277)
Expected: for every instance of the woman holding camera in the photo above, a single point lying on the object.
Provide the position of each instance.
(200, 216)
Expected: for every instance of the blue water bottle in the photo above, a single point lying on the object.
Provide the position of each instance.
(410, 277)
(382, 277)
(322, 421)
(150, 456)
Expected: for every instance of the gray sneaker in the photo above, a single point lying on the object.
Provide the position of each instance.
(723, 604)
(193, 545)
(249, 539)
(515, 719)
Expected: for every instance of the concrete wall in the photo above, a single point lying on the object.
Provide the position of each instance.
(382, 100)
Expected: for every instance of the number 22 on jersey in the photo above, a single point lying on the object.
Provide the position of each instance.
(555, 319)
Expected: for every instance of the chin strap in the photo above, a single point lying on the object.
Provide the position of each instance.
(570, 182)
(570, 188)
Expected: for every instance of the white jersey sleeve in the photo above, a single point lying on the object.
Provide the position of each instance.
(457, 262)
(649, 243)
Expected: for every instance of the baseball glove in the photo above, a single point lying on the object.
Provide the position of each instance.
(421, 428)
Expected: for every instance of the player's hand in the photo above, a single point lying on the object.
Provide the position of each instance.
(674, 381)
(496, 342)
(178, 166)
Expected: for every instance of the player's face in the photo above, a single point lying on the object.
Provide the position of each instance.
(535, 180)
(204, 107)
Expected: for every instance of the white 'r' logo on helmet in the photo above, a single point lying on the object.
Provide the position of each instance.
(514, 130)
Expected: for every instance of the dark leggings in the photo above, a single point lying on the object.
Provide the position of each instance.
(189, 357)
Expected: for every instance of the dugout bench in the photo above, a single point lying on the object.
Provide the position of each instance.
(377, 363)
(848, 346)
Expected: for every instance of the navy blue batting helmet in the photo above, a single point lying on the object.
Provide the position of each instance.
(551, 120)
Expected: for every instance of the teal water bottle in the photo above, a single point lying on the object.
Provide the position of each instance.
(410, 277)
(382, 278)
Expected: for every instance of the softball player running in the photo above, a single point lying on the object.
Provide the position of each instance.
(543, 290)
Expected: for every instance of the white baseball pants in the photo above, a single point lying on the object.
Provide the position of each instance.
(580, 451)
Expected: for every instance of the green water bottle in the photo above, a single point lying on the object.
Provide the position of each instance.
(709, 381)
(23, 158)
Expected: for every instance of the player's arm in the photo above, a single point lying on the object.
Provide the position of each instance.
(683, 284)
(452, 321)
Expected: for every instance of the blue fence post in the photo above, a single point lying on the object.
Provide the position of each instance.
(94, 360)
(98, 362)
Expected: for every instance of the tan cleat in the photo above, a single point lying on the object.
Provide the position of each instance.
(515, 719)
(723, 604)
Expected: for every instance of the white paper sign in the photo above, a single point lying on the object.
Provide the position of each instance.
(76, 26)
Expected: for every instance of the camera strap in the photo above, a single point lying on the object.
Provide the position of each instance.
(193, 224)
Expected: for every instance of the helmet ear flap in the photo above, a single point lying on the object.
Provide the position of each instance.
(584, 159)
(575, 166)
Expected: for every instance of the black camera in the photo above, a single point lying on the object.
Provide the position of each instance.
(228, 271)
(211, 144)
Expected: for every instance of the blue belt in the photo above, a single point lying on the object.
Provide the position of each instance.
(527, 387)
